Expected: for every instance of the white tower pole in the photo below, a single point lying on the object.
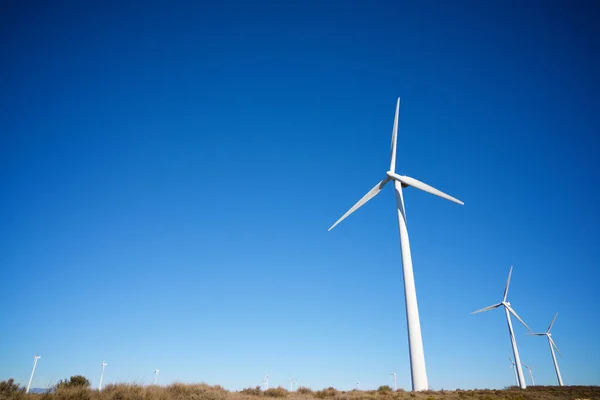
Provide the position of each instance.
(394, 375)
(415, 340)
(156, 371)
(102, 375)
(560, 381)
(35, 360)
(531, 376)
(520, 377)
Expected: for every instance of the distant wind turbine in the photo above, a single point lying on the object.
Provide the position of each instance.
(512, 365)
(291, 384)
(266, 382)
(394, 375)
(530, 374)
(415, 340)
(156, 371)
(508, 310)
(358, 385)
(552, 347)
(104, 364)
(35, 360)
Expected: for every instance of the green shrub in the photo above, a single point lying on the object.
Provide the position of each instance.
(10, 390)
(255, 391)
(384, 389)
(74, 381)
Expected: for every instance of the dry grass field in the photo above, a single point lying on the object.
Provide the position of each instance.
(201, 391)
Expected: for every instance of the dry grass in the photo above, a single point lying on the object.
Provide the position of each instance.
(179, 391)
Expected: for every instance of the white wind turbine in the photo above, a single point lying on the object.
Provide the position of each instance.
(508, 310)
(415, 341)
(266, 382)
(156, 371)
(358, 385)
(530, 374)
(552, 347)
(104, 364)
(394, 375)
(512, 365)
(35, 360)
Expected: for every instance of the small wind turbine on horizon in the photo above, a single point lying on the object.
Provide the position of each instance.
(394, 375)
(35, 360)
(266, 382)
(104, 364)
(530, 374)
(415, 340)
(508, 310)
(358, 385)
(552, 347)
(512, 365)
(156, 371)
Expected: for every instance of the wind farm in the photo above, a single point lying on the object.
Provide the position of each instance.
(417, 363)
(181, 214)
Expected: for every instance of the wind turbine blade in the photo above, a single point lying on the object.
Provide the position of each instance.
(407, 180)
(510, 359)
(394, 138)
(487, 308)
(507, 283)
(517, 317)
(552, 323)
(535, 334)
(372, 193)
(554, 344)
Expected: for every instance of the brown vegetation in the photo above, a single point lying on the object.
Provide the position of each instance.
(179, 391)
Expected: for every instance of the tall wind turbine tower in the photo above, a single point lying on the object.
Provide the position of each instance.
(156, 371)
(358, 385)
(552, 347)
(35, 360)
(415, 340)
(530, 374)
(104, 364)
(508, 310)
(394, 375)
(266, 382)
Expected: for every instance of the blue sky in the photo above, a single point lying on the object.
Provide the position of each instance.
(169, 173)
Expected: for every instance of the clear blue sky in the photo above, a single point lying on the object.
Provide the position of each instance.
(168, 174)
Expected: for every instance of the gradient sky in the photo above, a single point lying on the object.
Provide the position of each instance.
(168, 173)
